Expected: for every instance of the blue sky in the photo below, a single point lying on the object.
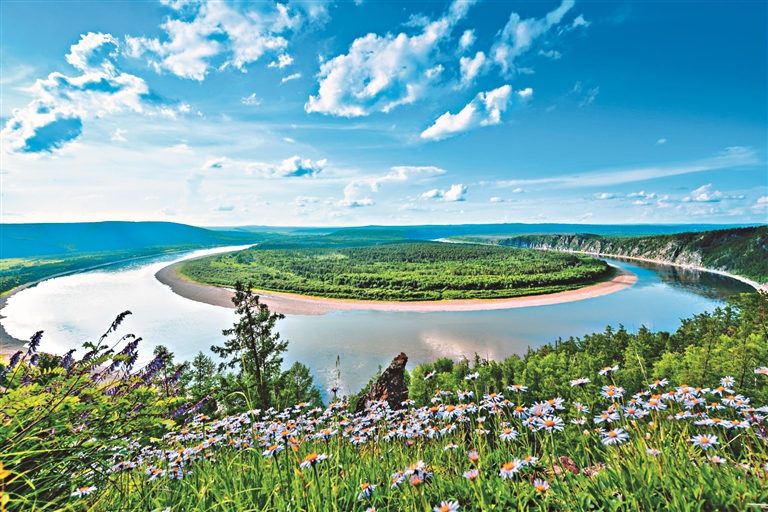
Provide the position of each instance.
(382, 112)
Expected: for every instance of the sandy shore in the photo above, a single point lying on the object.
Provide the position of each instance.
(9, 344)
(291, 304)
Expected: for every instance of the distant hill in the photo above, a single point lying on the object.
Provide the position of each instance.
(33, 240)
(739, 251)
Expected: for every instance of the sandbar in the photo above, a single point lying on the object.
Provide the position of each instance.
(292, 304)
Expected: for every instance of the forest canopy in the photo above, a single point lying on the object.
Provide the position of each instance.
(402, 271)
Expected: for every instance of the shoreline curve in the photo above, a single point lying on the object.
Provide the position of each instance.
(292, 304)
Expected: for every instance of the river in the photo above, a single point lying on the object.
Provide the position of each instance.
(80, 307)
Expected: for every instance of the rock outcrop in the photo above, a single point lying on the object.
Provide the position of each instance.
(390, 387)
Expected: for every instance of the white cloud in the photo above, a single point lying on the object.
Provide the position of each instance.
(381, 72)
(355, 193)
(281, 62)
(731, 157)
(518, 190)
(642, 194)
(455, 193)
(552, 54)
(289, 140)
(472, 67)
(484, 110)
(661, 141)
(704, 194)
(205, 32)
(55, 117)
(467, 40)
(118, 136)
(290, 167)
(590, 97)
(290, 77)
(761, 204)
(606, 195)
(580, 22)
(251, 100)
(224, 208)
(518, 36)
(497, 200)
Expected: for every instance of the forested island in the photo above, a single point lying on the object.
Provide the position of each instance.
(406, 271)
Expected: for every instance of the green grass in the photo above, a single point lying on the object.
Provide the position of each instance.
(401, 271)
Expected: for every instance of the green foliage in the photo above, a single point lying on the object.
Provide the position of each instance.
(60, 417)
(255, 350)
(739, 251)
(729, 341)
(402, 271)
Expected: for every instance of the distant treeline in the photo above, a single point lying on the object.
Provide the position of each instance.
(739, 251)
(401, 271)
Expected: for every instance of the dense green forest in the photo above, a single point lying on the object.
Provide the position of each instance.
(738, 251)
(401, 271)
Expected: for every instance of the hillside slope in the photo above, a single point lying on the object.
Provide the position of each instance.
(739, 251)
(34, 240)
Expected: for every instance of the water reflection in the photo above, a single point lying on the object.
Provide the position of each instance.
(79, 307)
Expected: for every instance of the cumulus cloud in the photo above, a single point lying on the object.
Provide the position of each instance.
(455, 193)
(497, 200)
(118, 136)
(642, 195)
(519, 36)
(206, 34)
(467, 40)
(281, 62)
(290, 167)
(355, 193)
(761, 204)
(704, 194)
(472, 67)
(55, 117)
(606, 195)
(580, 22)
(484, 110)
(381, 72)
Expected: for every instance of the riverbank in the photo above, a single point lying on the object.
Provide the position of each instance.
(292, 304)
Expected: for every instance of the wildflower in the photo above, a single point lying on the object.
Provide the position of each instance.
(612, 392)
(631, 412)
(580, 407)
(615, 436)
(473, 455)
(334, 389)
(655, 404)
(579, 421)
(551, 423)
(447, 506)
(430, 375)
(608, 369)
(540, 485)
(717, 459)
(530, 460)
(472, 376)
(312, 459)
(608, 416)
(763, 370)
(705, 441)
(450, 446)
(580, 381)
(658, 382)
(508, 434)
(555, 403)
(653, 451)
(509, 469)
(517, 388)
(471, 474)
(34, 342)
(727, 381)
(272, 450)
(83, 491)
(367, 490)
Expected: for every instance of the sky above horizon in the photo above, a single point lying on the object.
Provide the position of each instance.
(221, 113)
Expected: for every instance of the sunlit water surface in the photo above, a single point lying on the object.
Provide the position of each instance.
(80, 307)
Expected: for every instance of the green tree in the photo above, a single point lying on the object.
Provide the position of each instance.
(203, 381)
(255, 349)
(297, 385)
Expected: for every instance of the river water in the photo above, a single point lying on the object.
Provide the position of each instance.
(80, 307)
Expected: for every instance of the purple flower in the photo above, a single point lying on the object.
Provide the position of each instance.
(118, 320)
(34, 342)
